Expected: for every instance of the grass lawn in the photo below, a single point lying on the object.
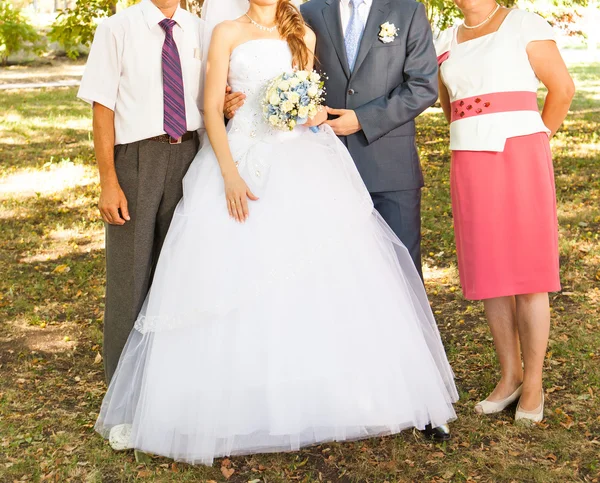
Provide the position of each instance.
(51, 303)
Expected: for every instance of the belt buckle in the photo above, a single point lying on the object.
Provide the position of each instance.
(174, 141)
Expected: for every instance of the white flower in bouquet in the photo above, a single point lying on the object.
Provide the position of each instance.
(294, 97)
(313, 91)
(294, 81)
(284, 86)
(287, 106)
(302, 75)
(303, 112)
(315, 77)
(274, 98)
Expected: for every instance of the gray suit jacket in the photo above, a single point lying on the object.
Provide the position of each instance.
(390, 86)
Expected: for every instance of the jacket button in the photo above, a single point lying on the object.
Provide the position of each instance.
(351, 92)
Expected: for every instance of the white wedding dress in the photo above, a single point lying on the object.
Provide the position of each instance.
(308, 323)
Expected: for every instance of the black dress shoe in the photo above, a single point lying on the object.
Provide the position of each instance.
(438, 435)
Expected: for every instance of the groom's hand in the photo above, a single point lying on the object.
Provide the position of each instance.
(233, 101)
(346, 124)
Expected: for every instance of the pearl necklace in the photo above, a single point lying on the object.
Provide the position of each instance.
(489, 17)
(261, 27)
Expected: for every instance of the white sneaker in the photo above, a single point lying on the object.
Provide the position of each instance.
(120, 437)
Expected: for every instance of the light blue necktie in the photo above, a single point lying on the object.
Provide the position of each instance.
(354, 33)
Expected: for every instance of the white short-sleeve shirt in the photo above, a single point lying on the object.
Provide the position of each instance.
(124, 70)
(494, 63)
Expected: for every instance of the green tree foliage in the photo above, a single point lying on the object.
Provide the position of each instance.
(443, 13)
(16, 34)
(75, 26)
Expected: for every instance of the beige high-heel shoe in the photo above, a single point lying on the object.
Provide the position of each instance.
(492, 407)
(531, 416)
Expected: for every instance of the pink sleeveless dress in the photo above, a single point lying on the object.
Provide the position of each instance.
(502, 178)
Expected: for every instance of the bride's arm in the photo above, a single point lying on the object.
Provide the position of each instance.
(236, 191)
(310, 39)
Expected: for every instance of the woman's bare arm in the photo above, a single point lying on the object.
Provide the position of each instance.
(550, 68)
(236, 190)
(444, 98)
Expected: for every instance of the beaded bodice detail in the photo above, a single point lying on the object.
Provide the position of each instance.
(252, 66)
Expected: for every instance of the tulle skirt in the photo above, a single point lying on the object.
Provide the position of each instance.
(306, 324)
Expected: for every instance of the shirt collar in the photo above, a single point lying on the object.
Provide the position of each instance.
(346, 3)
(154, 16)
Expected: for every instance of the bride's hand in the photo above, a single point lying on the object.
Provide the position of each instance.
(237, 194)
(319, 118)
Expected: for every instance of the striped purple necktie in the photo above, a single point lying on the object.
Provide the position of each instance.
(175, 124)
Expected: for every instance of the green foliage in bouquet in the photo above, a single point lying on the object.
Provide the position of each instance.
(16, 33)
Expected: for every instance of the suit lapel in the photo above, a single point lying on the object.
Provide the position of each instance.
(380, 11)
(333, 21)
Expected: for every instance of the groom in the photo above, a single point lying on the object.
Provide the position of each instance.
(381, 66)
(381, 69)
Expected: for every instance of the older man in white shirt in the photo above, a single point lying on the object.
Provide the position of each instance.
(143, 78)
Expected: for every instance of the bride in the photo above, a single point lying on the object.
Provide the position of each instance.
(284, 312)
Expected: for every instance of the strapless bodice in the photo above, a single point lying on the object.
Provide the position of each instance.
(252, 66)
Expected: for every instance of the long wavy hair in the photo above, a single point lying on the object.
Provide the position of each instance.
(292, 28)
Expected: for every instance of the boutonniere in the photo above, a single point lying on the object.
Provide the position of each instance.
(388, 32)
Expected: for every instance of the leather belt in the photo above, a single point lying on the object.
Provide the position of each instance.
(166, 139)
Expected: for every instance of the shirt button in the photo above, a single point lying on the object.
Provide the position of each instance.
(351, 92)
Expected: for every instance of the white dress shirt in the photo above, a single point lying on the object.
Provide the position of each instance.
(346, 12)
(124, 70)
(494, 63)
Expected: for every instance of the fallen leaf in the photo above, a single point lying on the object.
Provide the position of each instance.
(62, 269)
(98, 358)
(227, 472)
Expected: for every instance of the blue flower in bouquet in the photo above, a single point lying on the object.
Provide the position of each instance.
(293, 98)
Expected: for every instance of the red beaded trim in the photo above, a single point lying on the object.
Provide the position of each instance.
(494, 103)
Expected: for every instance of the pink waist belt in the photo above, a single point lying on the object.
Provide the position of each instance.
(494, 103)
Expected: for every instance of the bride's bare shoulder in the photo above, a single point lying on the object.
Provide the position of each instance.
(226, 33)
(229, 28)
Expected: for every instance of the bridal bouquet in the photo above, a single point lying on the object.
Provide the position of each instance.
(293, 98)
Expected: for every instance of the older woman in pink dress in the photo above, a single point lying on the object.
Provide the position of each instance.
(502, 181)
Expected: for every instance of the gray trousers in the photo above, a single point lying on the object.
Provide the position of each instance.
(151, 175)
(402, 211)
